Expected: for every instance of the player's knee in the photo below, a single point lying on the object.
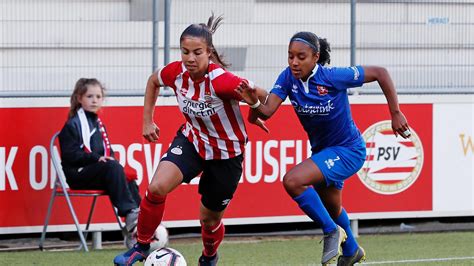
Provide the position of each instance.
(290, 182)
(157, 188)
(209, 223)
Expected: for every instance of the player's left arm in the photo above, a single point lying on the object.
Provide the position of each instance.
(225, 86)
(381, 75)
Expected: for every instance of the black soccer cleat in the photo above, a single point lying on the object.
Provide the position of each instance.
(208, 261)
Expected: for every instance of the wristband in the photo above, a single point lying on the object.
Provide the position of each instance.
(256, 105)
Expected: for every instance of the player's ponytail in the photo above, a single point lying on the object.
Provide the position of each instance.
(206, 31)
(212, 25)
(324, 52)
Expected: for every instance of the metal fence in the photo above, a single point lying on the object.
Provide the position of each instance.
(46, 45)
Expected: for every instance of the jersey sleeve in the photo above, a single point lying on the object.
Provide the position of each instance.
(225, 85)
(167, 74)
(280, 87)
(346, 77)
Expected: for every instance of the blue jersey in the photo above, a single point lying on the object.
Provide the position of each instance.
(322, 104)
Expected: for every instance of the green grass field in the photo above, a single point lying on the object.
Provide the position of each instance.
(395, 249)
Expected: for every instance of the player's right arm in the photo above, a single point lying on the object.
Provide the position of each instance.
(381, 75)
(151, 131)
(262, 104)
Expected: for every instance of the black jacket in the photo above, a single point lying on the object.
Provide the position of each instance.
(73, 155)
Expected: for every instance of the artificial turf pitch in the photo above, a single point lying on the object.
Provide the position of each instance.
(451, 248)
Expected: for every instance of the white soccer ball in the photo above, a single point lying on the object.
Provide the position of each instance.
(160, 238)
(165, 257)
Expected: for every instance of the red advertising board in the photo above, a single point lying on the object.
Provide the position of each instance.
(25, 167)
(416, 195)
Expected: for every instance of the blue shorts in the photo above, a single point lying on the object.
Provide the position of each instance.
(338, 163)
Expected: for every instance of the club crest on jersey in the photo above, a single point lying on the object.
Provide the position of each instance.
(322, 90)
(393, 164)
(177, 150)
(207, 97)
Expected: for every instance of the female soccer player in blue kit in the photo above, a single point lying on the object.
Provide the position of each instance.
(319, 97)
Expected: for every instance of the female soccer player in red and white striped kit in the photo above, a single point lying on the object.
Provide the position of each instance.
(211, 142)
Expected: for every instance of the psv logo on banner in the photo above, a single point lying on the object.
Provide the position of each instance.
(393, 164)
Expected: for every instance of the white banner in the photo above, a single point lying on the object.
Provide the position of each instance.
(453, 157)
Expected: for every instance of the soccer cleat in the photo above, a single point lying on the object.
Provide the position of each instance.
(208, 261)
(136, 253)
(358, 257)
(332, 245)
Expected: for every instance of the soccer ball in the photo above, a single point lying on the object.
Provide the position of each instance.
(165, 257)
(160, 238)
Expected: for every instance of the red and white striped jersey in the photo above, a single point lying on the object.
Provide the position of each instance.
(214, 123)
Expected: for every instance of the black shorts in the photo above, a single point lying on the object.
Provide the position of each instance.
(219, 178)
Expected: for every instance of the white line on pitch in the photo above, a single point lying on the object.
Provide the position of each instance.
(418, 260)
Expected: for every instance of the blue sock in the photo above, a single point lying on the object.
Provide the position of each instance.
(310, 202)
(350, 246)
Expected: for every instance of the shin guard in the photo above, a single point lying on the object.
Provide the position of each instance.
(212, 238)
(152, 208)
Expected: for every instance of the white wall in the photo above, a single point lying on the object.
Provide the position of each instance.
(45, 45)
